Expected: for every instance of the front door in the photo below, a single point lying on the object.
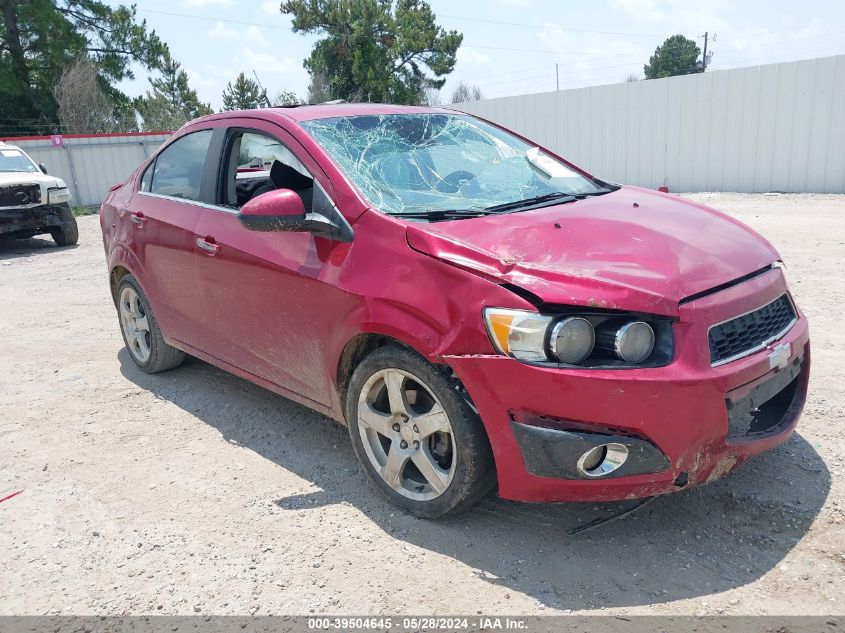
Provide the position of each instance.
(266, 301)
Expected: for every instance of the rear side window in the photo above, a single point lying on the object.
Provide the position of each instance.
(177, 171)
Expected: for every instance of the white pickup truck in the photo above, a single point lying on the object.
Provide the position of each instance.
(32, 202)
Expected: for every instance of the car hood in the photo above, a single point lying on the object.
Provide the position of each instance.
(29, 178)
(633, 249)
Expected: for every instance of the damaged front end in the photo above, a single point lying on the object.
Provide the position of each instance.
(591, 419)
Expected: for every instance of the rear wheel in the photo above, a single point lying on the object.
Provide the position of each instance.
(68, 233)
(140, 330)
(419, 441)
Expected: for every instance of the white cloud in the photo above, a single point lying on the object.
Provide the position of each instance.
(647, 9)
(470, 56)
(266, 62)
(271, 7)
(254, 35)
(209, 3)
(760, 45)
(222, 32)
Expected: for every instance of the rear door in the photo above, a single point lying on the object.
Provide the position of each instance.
(270, 309)
(161, 221)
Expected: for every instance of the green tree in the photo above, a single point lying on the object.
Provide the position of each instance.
(376, 50)
(39, 38)
(245, 94)
(287, 98)
(676, 56)
(172, 102)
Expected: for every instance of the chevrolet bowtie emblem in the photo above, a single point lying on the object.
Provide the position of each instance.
(779, 358)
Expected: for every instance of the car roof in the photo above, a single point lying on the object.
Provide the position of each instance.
(327, 111)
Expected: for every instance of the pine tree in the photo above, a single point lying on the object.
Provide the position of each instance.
(245, 94)
(172, 102)
(678, 55)
(375, 50)
(39, 39)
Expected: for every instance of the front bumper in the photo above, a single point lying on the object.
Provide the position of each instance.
(33, 220)
(685, 424)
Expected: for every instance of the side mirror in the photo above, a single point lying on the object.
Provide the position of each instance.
(42, 167)
(282, 210)
(278, 210)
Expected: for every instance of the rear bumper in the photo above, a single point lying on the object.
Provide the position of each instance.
(684, 424)
(34, 220)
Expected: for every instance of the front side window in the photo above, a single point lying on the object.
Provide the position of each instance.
(417, 163)
(12, 159)
(258, 164)
(177, 171)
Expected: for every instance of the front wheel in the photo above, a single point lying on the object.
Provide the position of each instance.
(419, 441)
(68, 233)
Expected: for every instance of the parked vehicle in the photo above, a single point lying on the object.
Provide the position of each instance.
(32, 202)
(474, 308)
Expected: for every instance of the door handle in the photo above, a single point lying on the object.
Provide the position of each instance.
(137, 219)
(208, 245)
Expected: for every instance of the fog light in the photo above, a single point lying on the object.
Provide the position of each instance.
(572, 340)
(602, 460)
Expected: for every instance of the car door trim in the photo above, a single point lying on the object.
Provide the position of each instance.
(196, 203)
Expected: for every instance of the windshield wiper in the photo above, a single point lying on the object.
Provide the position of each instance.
(558, 197)
(441, 214)
(600, 192)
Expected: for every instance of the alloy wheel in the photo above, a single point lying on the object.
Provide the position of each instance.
(406, 434)
(135, 324)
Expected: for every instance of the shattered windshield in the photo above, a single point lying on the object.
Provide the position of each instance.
(422, 163)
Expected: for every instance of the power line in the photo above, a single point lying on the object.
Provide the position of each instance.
(467, 45)
(530, 73)
(212, 19)
(550, 26)
(544, 27)
(774, 59)
(547, 50)
(279, 26)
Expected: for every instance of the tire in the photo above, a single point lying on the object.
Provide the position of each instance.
(141, 332)
(68, 233)
(391, 434)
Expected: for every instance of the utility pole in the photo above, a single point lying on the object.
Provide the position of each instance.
(557, 77)
(706, 37)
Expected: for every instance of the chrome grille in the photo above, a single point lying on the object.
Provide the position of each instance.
(750, 332)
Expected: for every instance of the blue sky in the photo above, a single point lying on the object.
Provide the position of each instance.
(510, 46)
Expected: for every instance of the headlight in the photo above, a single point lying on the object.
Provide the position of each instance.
(517, 333)
(600, 340)
(57, 196)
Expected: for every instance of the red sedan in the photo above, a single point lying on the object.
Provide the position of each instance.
(475, 309)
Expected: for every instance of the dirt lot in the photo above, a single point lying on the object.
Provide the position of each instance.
(195, 491)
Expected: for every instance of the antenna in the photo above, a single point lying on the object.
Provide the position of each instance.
(263, 90)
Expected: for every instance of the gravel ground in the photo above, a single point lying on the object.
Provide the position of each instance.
(196, 492)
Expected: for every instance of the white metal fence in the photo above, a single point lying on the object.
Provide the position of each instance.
(91, 164)
(779, 127)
